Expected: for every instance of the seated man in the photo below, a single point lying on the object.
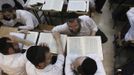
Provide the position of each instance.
(12, 61)
(40, 59)
(80, 26)
(18, 18)
(84, 65)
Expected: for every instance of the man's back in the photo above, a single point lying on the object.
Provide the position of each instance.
(51, 69)
(13, 64)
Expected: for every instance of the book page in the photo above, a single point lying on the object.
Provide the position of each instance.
(74, 45)
(32, 2)
(93, 46)
(19, 35)
(55, 5)
(32, 37)
(50, 41)
(77, 5)
(85, 45)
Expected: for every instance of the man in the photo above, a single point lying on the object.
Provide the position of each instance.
(40, 59)
(80, 26)
(12, 61)
(84, 65)
(18, 18)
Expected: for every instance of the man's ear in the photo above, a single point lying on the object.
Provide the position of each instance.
(11, 51)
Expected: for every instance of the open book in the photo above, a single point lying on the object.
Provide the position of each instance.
(49, 39)
(36, 38)
(78, 5)
(55, 5)
(85, 45)
(32, 37)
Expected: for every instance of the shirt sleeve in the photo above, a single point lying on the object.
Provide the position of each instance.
(60, 61)
(68, 69)
(63, 29)
(91, 24)
(29, 24)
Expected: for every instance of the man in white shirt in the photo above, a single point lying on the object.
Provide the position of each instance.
(84, 65)
(12, 61)
(40, 59)
(13, 3)
(80, 26)
(130, 34)
(21, 18)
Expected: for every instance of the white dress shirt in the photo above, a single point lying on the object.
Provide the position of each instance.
(55, 69)
(24, 17)
(70, 58)
(13, 64)
(130, 34)
(11, 2)
(87, 25)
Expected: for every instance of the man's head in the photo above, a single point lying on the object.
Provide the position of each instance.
(8, 12)
(84, 66)
(39, 56)
(7, 46)
(73, 23)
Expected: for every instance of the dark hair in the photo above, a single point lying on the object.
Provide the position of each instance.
(88, 67)
(72, 15)
(7, 8)
(36, 54)
(4, 45)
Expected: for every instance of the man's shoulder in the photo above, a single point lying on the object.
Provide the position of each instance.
(84, 17)
(60, 27)
(22, 12)
(19, 10)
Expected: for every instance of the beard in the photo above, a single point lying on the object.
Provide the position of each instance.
(74, 33)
